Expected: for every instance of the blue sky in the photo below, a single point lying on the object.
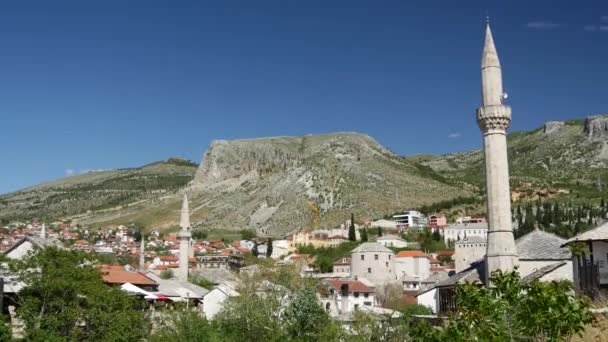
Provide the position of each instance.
(106, 84)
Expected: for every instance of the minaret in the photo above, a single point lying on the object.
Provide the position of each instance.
(494, 118)
(142, 251)
(184, 240)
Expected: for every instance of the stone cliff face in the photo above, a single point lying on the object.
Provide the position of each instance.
(278, 184)
(596, 127)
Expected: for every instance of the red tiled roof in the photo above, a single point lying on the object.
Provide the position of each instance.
(164, 267)
(168, 258)
(434, 261)
(408, 299)
(449, 253)
(342, 261)
(353, 285)
(412, 254)
(123, 277)
(438, 269)
(113, 267)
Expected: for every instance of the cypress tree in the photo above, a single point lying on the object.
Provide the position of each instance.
(269, 248)
(254, 250)
(352, 235)
(363, 234)
(379, 232)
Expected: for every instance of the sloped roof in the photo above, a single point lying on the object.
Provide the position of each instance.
(541, 272)
(36, 241)
(541, 245)
(353, 285)
(122, 277)
(369, 247)
(389, 237)
(411, 254)
(595, 234)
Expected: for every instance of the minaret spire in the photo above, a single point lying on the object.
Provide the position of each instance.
(493, 118)
(184, 239)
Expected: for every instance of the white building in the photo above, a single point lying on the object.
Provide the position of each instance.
(594, 245)
(411, 219)
(388, 224)
(458, 231)
(469, 250)
(413, 264)
(214, 300)
(280, 248)
(342, 267)
(373, 262)
(392, 241)
(346, 295)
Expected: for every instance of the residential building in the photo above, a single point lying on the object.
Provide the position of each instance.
(343, 296)
(469, 250)
(392, 241)
(213, 301)
(458, 231)
(411, 219)
(413, 264)
(590, 267)
(373, 262)
(437, 221)
(342, 266)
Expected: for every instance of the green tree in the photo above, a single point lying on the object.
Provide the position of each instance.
(363, 234)
(536, 311)
(305, 319)
(248, 234)
(254, 250)
(65, 299)
(166, 274)
(352, 234)
(185, 326)
(269, 248)
(379, 231)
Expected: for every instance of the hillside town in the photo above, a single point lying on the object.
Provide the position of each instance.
(383, 279)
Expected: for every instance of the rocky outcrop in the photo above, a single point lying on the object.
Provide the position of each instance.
(552, 126)
(596, 127)
(278, 184)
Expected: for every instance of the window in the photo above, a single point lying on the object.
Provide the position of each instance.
(375, 256)
(389, 257)
(356, 294)
(369, 270)
(367, 303)
(365, 295)
(362, 257)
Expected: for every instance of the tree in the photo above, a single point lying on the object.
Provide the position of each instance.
(248, 234)
(269, 248)
(379, 231)
(306, 320)
(536, 311)
(199, 234)
(64, 298)
(363, 234)
(187, 326)
(254, 250)
(436, 235)
(352, 234)
(166, 274)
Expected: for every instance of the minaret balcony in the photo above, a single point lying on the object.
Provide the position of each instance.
(494, 117)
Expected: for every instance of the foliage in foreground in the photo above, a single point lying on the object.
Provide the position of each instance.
(512, 311)
(65, 299)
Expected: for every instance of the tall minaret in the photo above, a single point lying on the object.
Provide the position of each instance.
(494, 118)
(184, 240)
(142, 253)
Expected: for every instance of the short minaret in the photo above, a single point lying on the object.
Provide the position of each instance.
(142, 252)
(184, 236)
(494, 117)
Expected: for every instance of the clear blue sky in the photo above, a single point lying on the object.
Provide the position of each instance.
(123, 83)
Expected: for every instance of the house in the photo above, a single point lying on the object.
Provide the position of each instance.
(541, 257)
(177, 290)
(392, 241)
(414, 264)
(117, 277)
(411, 219)
(373, 262)
(437, 220)
(213, 301)
(342, 266)
(280, 248)
(387, 224)
(468, 250)
(28, 244)
(590, 260)
(343, 296)
(459, 231)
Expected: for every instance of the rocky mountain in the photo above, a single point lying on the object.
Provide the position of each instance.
(98, 193)
(559, 158)
(277, 184)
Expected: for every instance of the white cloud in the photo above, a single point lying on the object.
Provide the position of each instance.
(542, 25)
(69, 172)
(590, 28)
(604, 19)
(454, 135)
